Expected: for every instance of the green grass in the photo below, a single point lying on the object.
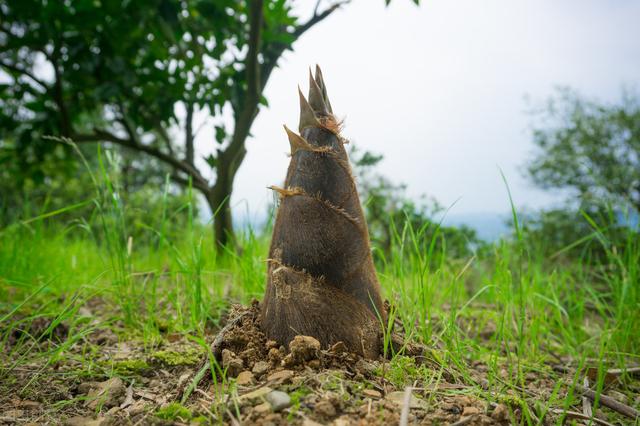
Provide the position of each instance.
(515, 310)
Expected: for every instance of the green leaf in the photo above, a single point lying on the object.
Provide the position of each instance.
(221, 134)
(211, 161)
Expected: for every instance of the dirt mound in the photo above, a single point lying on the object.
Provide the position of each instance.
(303, 383)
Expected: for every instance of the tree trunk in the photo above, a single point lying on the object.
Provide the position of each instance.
(219, 199)
(229, 162)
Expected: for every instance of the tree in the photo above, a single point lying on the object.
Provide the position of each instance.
(590, 148)
(114, 71)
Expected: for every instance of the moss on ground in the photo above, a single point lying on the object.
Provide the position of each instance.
(186, 355)
(128, 367)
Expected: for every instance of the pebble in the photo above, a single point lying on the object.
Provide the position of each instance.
(325, 408)
(245, 378)
(279, 400)
(279, 377)
(470, 411)
(263, 408)
(260, 367)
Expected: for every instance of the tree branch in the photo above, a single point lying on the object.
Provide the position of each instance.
(128, 126)
(189, 135)
(103, 136)
(162, 133)
(251, 62)
(19, 70)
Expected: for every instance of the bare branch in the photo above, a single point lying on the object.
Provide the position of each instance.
(317, 7)
(318, 17)
(162, 133)
(128, 125)
(104, 136)
(19, 70)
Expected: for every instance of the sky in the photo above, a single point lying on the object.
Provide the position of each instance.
(441, 91)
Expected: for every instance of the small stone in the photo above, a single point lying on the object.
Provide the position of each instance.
(263, 408)
(304, 348)
(470, 411)
(260, 367)
(245, 378)
(279, 400)
(500, 413)
(325, 408)
(398, 398)
(279, 377)
(231, 363)
(256, 394)
(371, 393)
(309, 422)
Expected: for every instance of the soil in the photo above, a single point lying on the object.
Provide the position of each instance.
(104, 381)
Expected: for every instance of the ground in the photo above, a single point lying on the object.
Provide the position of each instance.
(104, 379)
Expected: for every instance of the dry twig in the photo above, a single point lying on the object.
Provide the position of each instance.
(609, 402)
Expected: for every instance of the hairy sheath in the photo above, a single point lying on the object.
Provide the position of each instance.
(321, 277)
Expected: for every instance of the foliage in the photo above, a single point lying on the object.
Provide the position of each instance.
(388, 208)
(118, 71)
(136, 74)
(568, 232)
(71, 193)
(590, 148)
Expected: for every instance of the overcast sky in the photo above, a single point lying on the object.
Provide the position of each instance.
(440, 90)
